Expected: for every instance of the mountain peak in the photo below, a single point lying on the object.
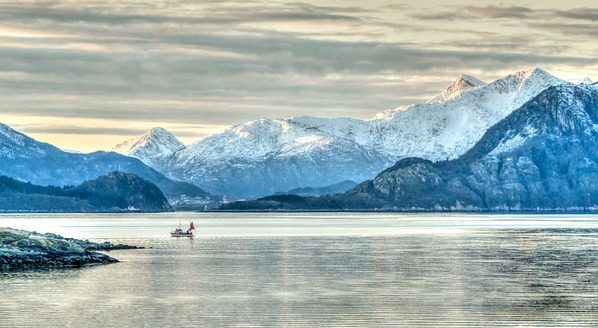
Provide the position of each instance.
(526, 83)
(535, 73)
(155, 142)
(465, 80)
(157, 131)
(463, 83)
(534, 70)
(586, 80)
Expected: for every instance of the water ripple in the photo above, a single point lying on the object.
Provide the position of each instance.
(537, 277)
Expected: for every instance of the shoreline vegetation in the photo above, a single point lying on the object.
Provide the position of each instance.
(22, 250)
(115, 192)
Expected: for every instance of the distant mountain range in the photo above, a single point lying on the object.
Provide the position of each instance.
(430, 154)
(26, 159)
(266, 156)
(541, 157)
(114, 192)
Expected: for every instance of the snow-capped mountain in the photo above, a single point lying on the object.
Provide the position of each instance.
(26, 159)
(541, 157)
(445, 130)
(155, 143)
(265, 156)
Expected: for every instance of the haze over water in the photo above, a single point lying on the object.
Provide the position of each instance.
(309, 269)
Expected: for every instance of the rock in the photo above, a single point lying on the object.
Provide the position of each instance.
(23, 250)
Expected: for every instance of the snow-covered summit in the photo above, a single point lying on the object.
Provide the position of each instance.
(518, 88)
(156, 142)
(303, 151)
(445, 130)
(463, 83)
(275, 137)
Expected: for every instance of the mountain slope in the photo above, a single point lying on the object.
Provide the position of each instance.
(321, 191)
(540, 158)
(121, 190)
(446, 130)
(116, 191)
(154, 144)
(26, 159)
(265, 156)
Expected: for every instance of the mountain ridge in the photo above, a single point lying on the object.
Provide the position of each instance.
(264, 156)
(539, 158)
(26, 159)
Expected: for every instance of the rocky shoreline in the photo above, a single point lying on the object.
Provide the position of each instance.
(24, 250)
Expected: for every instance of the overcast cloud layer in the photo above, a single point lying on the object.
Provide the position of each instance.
(86, 74)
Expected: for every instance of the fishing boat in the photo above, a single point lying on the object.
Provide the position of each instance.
(178, 232)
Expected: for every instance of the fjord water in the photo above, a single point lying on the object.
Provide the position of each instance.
(309, 269)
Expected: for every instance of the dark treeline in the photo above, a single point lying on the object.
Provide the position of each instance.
(117, 190)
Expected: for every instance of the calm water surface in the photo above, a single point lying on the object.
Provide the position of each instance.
(319, 270)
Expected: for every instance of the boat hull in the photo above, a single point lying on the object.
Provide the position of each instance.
(179, 235)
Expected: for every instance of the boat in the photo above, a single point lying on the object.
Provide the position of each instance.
(178, 232)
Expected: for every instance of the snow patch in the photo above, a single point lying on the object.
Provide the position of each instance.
(514, 142)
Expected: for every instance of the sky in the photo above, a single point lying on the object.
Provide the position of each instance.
(85, 75)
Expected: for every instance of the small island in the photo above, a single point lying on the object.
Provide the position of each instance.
(24, 250)
(114, 192)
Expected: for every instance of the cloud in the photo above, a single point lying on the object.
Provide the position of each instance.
(290, 77)
(590, 14)
(478, 12)
(570, 30)
(219, 13)
(500, 12)
(507, 12)
(194, 131)
(223, 62)
(79, 130)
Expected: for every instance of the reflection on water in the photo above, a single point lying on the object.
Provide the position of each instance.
(541, 276)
